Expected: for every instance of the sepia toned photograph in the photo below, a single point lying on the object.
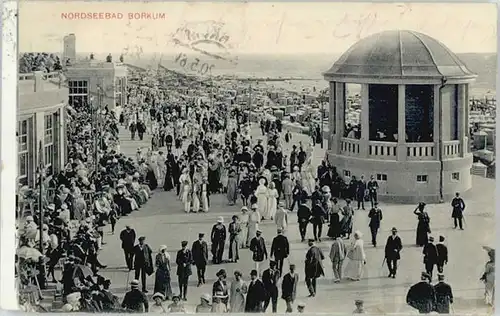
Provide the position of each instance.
(186, 157)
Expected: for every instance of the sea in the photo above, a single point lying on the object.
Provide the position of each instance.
(307, 67)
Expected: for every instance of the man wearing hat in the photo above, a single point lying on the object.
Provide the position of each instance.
(313, 266)
(127, 237)
(281, 217)
(258, 248)
(289, 288)
(303, 217)
(270, 278)
(430, 256)
(135, 301)
(393, 247)
(458, 206)
(200, 257)
(444, 295)
(422, 296)
(375, 216)
(143, 261)
(256, 294)
(442, 252)
(184, 259)
(218, 238)
(280, 249)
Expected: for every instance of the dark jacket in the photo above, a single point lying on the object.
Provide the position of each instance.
(314, 263)
(128, 239)
(199, 251)
(258, 247)
(303, 214)
(134, 301)
(375, 216)
(289, 286)
(280, 248)
(422, 297)
(442, 254)
(430, 253)
(143, 258)
(270, 280)
(256, 295)
(218, 233)
(184, 260)
(444, 297)
(392, 248)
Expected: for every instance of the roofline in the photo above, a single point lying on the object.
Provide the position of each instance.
(374, 79)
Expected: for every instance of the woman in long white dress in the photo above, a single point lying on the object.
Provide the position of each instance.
(261, 194)
(186, 190)
(272, 200)
(357, 258)
(204, 197)
(244, 227)
(237, 293)
(489, 279)
(253, 223)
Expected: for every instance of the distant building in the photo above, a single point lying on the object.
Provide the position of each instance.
(69, 51)
(105, 82)
(41, 120)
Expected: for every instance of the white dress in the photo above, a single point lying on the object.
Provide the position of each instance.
(261, 194)
(244, 229)
(204, 198)
(272, 202)
(195, 197)
(253, 225)
(185, 197)
(237, 296)
(280, 218)
(355, 265)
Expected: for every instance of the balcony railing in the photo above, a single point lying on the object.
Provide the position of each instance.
(382, 149)
(420, 151)
(349, 147)
(451, 149)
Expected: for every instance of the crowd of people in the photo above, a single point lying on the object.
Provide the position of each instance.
(30, 62)
(210, 150)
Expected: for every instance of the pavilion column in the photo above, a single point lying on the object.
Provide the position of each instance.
(365, 121)
(467, 110)
(340, 114)
(461, 120)
(436, 134)
(332, 120)
(401, 147)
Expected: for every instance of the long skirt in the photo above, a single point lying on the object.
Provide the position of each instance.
(334, 230)
(244, 235)
(354, 269)
(162, 283)
(422, 230)
(346, 225)
(233, 247)
(489, 293)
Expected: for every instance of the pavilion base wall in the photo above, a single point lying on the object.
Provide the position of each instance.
(401, 185)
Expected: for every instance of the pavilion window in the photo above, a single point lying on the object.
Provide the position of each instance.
(419, 113)
(383, 112)
(352, 111)
(23, 152)
(78, 92)
(49, 141)
(449, 103)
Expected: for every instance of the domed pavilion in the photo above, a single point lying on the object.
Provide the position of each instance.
(412, 135)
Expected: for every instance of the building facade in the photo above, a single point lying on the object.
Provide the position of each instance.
(413, 131)
(41, 123)
(91, 80)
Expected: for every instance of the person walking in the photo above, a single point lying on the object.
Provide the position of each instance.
(488, 278)
(281, 217)
(254, 219)
(375, 216)
(442, 254)
(458, 206)
(258, 248)
(423, 227)
(289, 288)
(280, 249)
(199, 251)
(334, 222)
(163, 276)
(444, 296)
(303, 217)
(270, 278)
(317, 219)
(244, 217)
(143, 261)
(234, 239)
(430, 256)
(313, 267)
(357, 258)
(183, 260)
(393, 247)
(135, 301)
(338, 253)
(220, 286)
(218, 238)
(127, 237)
(372, 187)
(256, 294)
(422, 296)
(237, 293)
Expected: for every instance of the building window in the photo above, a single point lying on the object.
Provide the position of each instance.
(455, 176)
(347, 173)
(78, 92)
(118, 91)
(22, 151)
(381, 177)
(422, 178)
(48, 140)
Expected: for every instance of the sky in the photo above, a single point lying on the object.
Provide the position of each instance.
(255, 28)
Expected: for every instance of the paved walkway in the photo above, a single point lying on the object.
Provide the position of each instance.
(163, 221)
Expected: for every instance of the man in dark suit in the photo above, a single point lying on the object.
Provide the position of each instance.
(458, 206)
(422, 296)
(256, 294)
(313, 267)
(258, 248)
(375, 216)
(127, 236)
(280, 249)
(289, 288)
(393, 247)
(143, 261)
(430, 256)
(184, 260)
(442, 254)
(270, 278)
(303, 217)
(200, 257)
(135, 301)
(444, 296)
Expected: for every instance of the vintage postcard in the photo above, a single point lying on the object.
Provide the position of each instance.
(256, 157)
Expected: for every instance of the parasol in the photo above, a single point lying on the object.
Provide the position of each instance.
(26, 252)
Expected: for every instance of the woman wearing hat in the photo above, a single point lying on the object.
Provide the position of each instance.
(262, 198)
(346, 222)
(237, 291)
(357, 258)
(158, 306)
(162, 276)
(272, 200)
(176, 306)
(204, 306)
(489, 279)
(423, 227)
(244, 217)
(220, 286)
